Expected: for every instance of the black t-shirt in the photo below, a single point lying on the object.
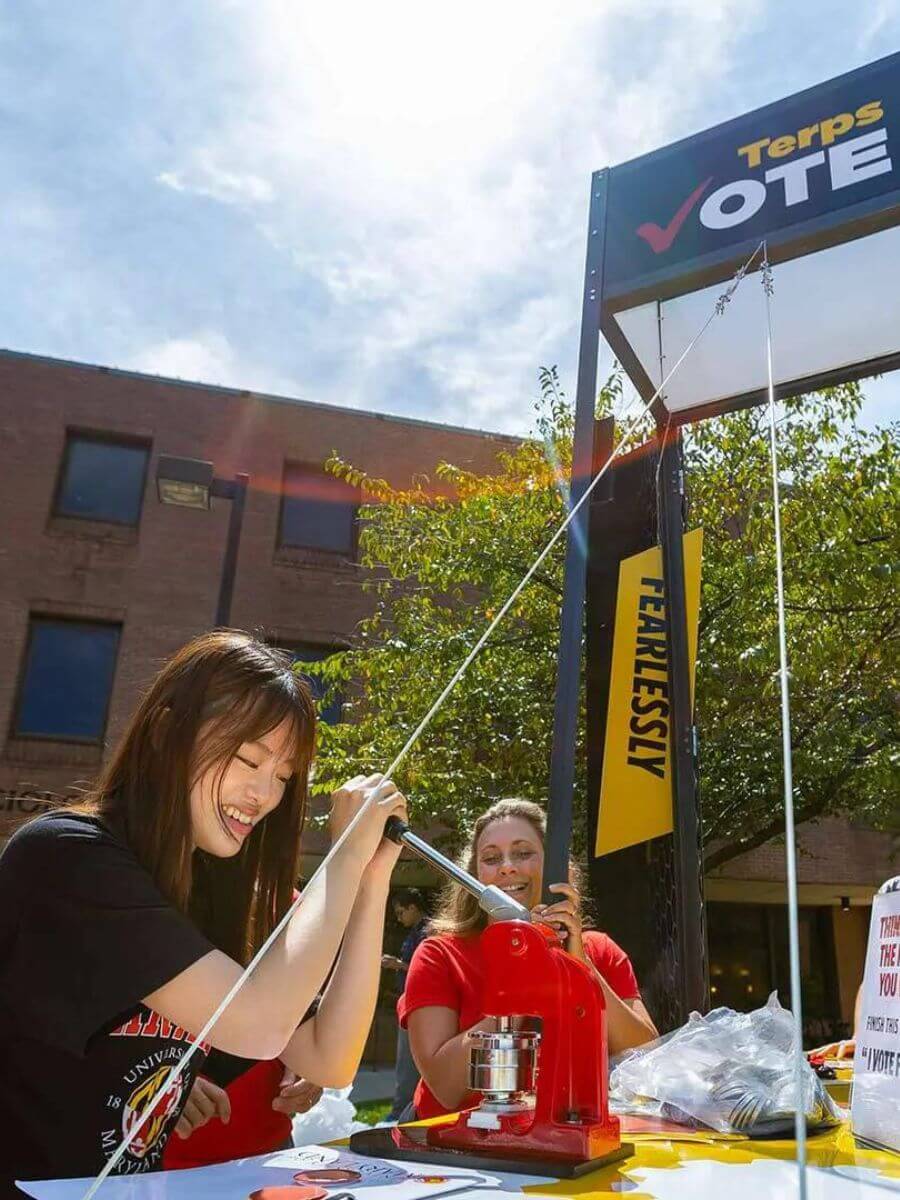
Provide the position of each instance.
(84, 934)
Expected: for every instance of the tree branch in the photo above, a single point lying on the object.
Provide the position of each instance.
(724, 854)
(813, 808)
(713, 613)
(839, 610)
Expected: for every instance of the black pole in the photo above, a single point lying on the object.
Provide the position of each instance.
(236, 491)
(632, 890)
(568, 677)
(688, 872)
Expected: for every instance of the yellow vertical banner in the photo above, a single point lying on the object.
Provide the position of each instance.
(635, 802)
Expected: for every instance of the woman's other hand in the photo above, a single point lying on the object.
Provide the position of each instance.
(565, 917)
(844, 1049)
(296, 1095)
(383, 861)
(347, 801)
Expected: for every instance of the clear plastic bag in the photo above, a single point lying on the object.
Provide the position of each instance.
(330, 1119)
(732, 1072)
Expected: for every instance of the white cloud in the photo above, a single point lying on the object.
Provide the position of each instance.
(381, 206)
(881, 402)
(204, 178)
(207, 357)
(428, 169)
(879, 14)
(481, 378)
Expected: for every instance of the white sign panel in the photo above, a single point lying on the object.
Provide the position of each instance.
(876, 1068)
(815, 326)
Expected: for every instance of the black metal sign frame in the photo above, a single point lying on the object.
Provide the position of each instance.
(676, 179)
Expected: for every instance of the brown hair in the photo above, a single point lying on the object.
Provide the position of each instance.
(458, 912)
(220, 690)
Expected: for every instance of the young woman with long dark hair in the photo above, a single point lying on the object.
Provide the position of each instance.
(442, 1001)
(126, 920)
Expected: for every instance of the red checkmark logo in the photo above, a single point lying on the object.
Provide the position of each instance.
(660, 239)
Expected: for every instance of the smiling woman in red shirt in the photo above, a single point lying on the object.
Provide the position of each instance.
(442, 1001)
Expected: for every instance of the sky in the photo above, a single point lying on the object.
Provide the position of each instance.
(378, 205)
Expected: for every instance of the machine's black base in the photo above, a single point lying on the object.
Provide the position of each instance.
(395, 1142)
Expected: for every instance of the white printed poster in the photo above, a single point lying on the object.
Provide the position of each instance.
(875, 1112)
(298, 1174)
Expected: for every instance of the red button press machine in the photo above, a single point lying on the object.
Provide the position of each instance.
(544, 1107)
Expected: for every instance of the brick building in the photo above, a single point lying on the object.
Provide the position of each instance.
(96, 574)
(99, 582)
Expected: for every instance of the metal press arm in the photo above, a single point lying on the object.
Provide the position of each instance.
(492, 900)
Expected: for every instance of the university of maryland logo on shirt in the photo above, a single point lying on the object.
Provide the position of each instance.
(150, 1047)
(164, 1106)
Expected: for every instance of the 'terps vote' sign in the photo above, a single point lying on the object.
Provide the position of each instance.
(809, 157)
(876, 1068)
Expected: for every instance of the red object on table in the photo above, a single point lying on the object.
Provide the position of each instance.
(528, 973)
(289, 1191)
(448, 971)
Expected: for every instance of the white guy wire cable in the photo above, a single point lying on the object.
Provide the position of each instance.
(719, 308)
(790, 847)
(178, 1069)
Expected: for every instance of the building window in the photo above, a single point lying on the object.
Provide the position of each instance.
(309, 652)
(102, 479)
(318, 511)
(67, 680)
(748, 958)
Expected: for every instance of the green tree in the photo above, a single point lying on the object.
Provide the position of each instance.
(839, 503)
(443, 558)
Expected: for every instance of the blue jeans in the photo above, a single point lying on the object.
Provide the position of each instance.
(407, 1076)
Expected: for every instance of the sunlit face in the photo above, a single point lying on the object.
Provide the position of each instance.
(251, 787)
(407, 915)
(510, 856)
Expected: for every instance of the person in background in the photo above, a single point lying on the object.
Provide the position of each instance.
(846, 1048)
(410, 912)
(443, 996)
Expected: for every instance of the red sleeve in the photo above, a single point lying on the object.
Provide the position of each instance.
(429, 980)
(613, 964)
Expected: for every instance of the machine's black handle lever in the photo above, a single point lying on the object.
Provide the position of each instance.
(394, 829)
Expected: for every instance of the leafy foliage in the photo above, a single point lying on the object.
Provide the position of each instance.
(840, 498)
(444, 555)
(444, 559)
